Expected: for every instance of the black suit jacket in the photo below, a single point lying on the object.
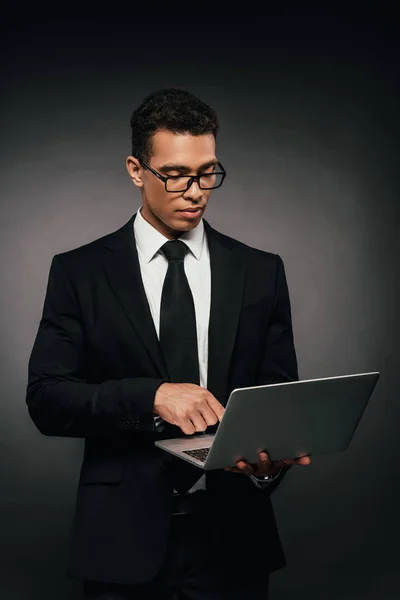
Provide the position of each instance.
(94, 371)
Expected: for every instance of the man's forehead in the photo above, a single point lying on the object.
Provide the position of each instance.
(174, 148)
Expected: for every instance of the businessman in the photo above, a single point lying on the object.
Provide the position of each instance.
(144, 334)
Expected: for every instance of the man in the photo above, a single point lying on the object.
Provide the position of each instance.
(144, 334)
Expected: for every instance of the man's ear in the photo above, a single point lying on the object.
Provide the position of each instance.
(135, 170)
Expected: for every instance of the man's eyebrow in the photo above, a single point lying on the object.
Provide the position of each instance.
(174, 167)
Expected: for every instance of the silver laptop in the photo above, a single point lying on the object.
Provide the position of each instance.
(287, 420)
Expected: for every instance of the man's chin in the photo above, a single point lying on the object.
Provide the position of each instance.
(182, 223)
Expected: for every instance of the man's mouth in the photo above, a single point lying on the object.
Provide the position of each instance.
(191, 209)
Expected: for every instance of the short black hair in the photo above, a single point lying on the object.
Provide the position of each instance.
(173, 110)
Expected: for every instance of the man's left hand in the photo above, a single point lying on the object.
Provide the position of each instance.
(265, 467)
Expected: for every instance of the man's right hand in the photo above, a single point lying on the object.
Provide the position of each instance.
(187, 405)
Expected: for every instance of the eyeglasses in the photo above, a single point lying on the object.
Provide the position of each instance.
(181, 183)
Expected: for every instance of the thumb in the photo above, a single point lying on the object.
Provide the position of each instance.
(304, 460)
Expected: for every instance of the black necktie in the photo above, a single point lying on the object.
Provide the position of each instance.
(178, 342)
(178, 337)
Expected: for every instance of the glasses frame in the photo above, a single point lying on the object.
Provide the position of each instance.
(190, 181)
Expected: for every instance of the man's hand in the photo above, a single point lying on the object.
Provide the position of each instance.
(265, 466)
(187, 405)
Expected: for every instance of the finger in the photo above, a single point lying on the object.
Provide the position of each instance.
(216, 406)
(304, 460)
(187, 427)
(264, 465)
(198, 421)
(263, 457)
(286, 462)
(245, 467)
(209, 415)
(276, 465)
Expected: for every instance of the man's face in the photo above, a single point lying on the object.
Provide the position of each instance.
(174, 154)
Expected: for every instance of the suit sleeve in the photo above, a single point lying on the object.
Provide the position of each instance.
(60, 401)
(278, 363)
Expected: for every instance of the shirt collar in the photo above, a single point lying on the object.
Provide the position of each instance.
(149, 240)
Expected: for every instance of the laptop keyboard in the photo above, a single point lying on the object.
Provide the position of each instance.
(199, 453)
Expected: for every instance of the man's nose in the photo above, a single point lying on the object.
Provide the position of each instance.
(194, 190)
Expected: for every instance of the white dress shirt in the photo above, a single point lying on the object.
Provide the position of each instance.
(154, 266)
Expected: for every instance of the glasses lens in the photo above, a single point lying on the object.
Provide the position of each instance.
(208, 181)
(177, 185)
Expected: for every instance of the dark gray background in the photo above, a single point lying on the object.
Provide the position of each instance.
(308, 104)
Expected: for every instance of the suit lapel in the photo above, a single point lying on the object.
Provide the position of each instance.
(122, 269)
(227, 284)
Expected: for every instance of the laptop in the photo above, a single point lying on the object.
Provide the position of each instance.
(287, 420)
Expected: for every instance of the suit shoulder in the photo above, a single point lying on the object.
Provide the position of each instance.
(245, 249)
(86, 253)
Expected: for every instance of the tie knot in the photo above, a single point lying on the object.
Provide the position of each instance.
(174, 249)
